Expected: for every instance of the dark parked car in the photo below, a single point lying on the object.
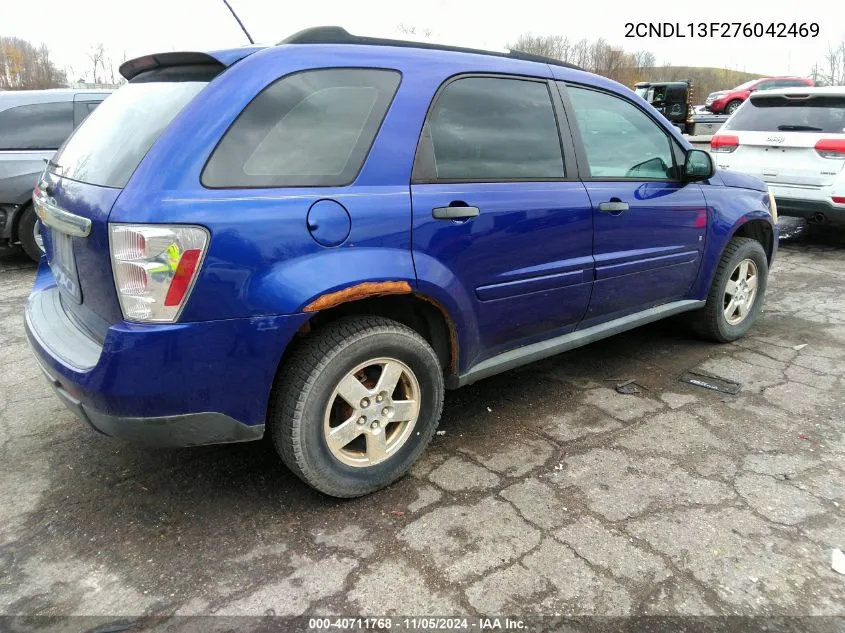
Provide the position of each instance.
(313, 240)
(727, 101)
(673, 99)
(33, 124)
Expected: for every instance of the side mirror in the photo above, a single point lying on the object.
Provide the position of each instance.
(698, 166)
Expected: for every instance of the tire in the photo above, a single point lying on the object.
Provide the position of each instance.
(712, 321)
(26, 233)
(305, 402)
(732, 106)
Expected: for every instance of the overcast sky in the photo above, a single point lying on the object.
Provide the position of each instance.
(144, 26)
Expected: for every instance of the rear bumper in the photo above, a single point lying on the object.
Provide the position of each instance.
(810, 209)
(161, 384)
(188, 429)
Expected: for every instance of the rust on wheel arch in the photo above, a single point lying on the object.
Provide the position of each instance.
(453, 335)
(357, 292)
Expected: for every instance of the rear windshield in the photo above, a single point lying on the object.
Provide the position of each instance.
(780, 114)
(107, 148)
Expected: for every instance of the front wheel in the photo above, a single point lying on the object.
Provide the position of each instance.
(736, 294)
(732, 106)
(356, 405)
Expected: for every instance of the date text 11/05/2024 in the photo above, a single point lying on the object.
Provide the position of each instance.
(424, 623)
(722, 29)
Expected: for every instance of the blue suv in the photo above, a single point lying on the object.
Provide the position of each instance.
(315, 239)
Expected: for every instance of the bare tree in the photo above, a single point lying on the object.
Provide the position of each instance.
(96, 55)
(412, 30)
(554, 46)
(644, 59)
(597, 56)
(835, 59)
(24, 66)
(628, 68)
(831, 70)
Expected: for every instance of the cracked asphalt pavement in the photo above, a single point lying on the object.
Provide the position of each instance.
(549, 492)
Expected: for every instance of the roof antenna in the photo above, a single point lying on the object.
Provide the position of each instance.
(235, 15)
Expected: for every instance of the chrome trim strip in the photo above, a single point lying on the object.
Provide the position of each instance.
(55, 217)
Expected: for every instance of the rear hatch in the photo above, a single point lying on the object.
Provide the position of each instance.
(779, 137)
(85, 178)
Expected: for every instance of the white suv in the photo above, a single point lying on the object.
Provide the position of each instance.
(794, 140)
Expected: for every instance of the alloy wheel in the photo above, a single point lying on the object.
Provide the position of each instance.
(740, 292)
(372, 412)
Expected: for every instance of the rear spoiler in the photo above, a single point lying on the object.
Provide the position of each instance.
(221, 59)
(134, 67)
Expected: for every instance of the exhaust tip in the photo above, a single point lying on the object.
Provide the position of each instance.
(817, 218)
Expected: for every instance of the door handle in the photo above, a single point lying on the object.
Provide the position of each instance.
(454, 213)
(614, 207)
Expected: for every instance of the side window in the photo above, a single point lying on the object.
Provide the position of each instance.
(81, 110)
(36, 126)
(766, 85)
(492, 129)
(619, 139)
(312, 128)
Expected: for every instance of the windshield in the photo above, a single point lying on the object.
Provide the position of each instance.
(107, 148)
(642, 91)
(779, 114)
(747, 84)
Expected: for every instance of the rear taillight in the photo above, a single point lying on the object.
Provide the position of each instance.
(831, 148)
(724, 143)
(155, 267)
(838, 199)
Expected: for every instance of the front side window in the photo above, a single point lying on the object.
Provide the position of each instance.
(36, 126)
(619, 139)
(312, 128)
(493, 129)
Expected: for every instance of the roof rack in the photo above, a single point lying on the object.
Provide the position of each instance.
(339, 35)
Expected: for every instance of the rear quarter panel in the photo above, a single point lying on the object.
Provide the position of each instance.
(262, 260)
(19, 172)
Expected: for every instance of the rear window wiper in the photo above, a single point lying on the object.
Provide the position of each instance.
(799, 128)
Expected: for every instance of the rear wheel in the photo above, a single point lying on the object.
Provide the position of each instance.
(736, 295)
(29, 234)
(356, 405)
(732, 106)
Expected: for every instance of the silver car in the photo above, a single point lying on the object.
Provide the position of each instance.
(33, 124)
